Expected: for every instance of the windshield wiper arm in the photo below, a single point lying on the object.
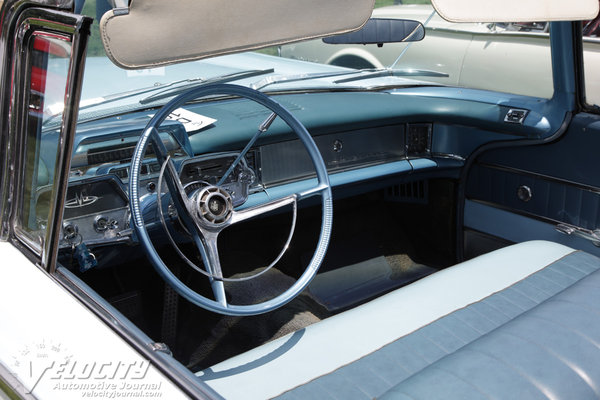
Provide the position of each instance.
(272, 80)
(131, 93)
(394, 72)
(219, 79)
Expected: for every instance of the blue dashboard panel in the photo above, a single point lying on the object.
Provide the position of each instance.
(354, 177)
(487, 110)
(373, 127)
(462, 119)
(462, 140)
(334, 112)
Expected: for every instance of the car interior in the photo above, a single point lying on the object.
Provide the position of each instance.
(352, 243)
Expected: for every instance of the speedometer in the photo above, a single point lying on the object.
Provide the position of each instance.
(192, 187)
(200, 172)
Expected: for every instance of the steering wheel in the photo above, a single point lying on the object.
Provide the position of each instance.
(209, 211)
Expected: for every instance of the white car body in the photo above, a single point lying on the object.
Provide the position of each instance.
(480, 55)
(53, 359)
(489, 184)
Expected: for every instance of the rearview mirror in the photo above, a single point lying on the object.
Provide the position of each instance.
(382, 30)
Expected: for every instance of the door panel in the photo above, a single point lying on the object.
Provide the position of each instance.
(522, 193)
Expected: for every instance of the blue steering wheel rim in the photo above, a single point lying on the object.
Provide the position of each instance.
(323, 183)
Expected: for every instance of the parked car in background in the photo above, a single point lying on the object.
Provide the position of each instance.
(509, 57)
(185, 216)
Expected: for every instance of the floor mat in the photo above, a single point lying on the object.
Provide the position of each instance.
(234, 335)
(348, 286)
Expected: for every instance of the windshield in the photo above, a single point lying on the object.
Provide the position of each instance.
(517, 56)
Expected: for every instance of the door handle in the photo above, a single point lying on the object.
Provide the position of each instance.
(588, 234)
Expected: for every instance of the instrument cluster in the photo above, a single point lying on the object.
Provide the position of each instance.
(97, 208)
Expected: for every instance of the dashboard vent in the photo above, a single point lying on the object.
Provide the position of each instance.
(411, 192)
(418, 140)
(108, 154)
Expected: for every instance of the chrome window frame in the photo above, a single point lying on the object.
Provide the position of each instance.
(30, 22)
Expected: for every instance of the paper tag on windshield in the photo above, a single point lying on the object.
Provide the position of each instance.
(191, 121)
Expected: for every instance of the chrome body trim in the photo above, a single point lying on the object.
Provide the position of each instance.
(587, 234)
(10, 385)
(448, 156)
(10, 11)
(516, 116)
(541, 176)
(69, 122)
(172, 369)
(76, 30)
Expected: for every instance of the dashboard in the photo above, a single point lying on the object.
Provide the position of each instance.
(367, 140)
(97, 206)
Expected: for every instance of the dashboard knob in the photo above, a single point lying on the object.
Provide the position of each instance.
(101, 224)
(524, 193)
(70, 231)
(337, 145)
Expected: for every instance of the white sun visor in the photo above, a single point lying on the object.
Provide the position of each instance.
(515, 10)
(150, 33)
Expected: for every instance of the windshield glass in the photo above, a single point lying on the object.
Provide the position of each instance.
(513, 58)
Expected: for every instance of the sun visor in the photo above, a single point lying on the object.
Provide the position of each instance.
(515, 10)
(151, 33)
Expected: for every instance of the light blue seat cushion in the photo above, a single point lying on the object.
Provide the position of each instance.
(390, 346)
(551, 351)
(542, 333)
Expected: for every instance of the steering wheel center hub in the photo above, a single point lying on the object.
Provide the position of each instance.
(214, 205)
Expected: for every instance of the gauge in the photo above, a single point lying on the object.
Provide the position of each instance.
(197, 173)
(192, 187)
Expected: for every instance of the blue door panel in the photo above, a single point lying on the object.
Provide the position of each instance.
(563, 178)
(575, 156)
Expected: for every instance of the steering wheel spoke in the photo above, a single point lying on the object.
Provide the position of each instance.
(251, 212)
(214, 267)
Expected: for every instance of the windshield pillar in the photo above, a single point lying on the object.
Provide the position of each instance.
(563, 65)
